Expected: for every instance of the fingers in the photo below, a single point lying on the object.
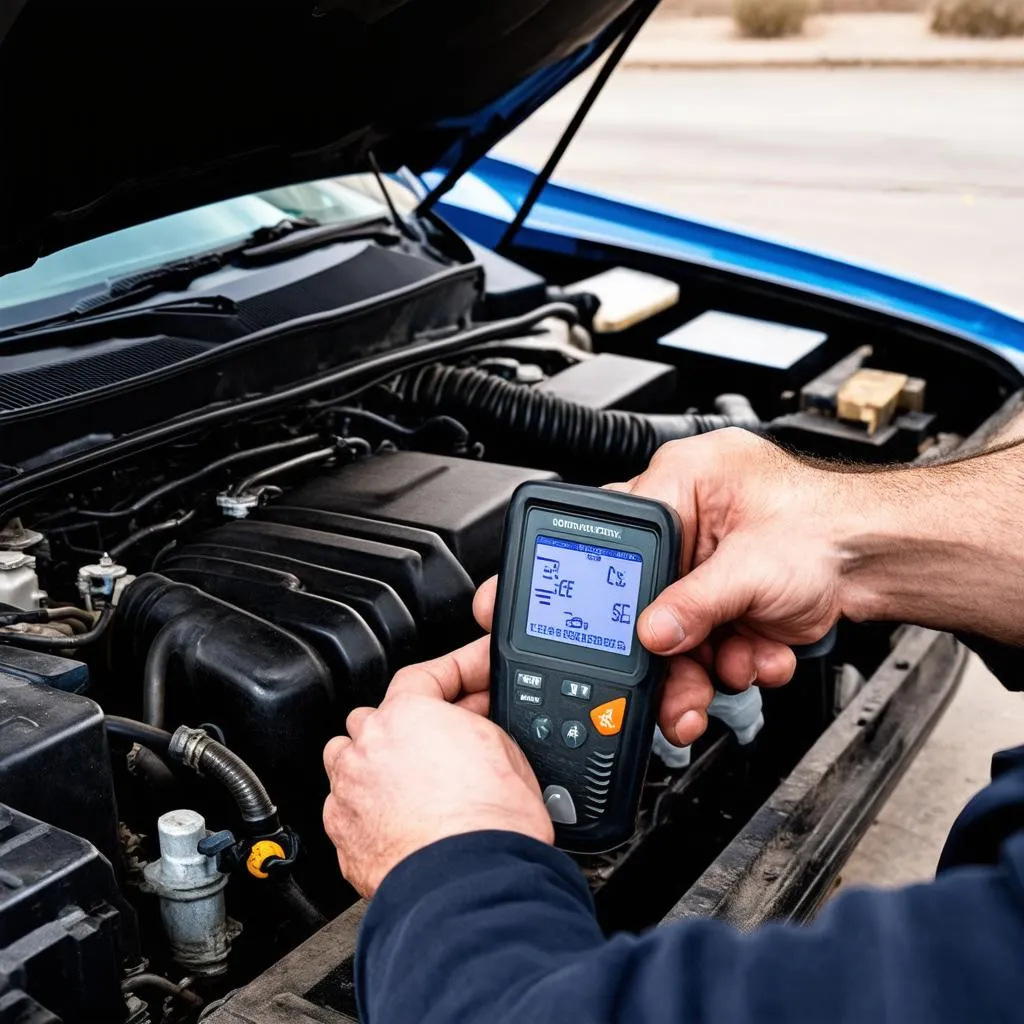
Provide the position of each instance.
(466, 670)
(334, 749)
(684, 614)
(683, 716)
(735, 663)
(775, 662)
(483, 603)
(478, 703)
(688, 690)
(356, 721)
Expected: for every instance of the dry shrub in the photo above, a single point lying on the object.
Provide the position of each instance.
(983, 19)
(770, 19)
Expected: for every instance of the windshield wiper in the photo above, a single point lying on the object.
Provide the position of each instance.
(289, 237)
(135, 288)
(189, 305)
(177, 275)
(375, 227)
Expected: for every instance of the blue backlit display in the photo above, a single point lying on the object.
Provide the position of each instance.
(584, 595)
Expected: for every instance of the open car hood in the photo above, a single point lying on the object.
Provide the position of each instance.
(114, 113)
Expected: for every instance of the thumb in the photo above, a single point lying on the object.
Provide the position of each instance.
(449, 678)
(683, 615)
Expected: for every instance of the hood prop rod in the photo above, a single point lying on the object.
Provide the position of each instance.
(644, 11)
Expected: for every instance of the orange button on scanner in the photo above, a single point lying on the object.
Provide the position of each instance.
(608, 717)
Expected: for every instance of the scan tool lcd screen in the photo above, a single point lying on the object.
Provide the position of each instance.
(584, 595)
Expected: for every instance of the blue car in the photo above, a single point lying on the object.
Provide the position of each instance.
(278, 341)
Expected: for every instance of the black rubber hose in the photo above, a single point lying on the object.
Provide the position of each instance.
(154, 675)
(299, 906)
(55, 643)
(150, 531)
(157, 740)
(203, 754)
(153, 770)
(72, 615)
(554, 428)
(164, 986)
(172, 485)
(267, 473)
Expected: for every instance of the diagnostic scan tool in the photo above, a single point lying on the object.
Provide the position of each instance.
(571, 682)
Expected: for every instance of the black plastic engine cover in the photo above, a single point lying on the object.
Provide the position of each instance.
(46, 734)
(267, 689)
(461, 500)
(65, 931)
(448, 586)
(337, 633)
(437, 592)
(378, 604)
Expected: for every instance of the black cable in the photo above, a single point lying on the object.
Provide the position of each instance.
(161, 555)
(212, 467)
(601, 79)
(148, 531)
(54, 643)
(317, 455)
(154, 675)
(157, 740)
(300, 907)
(163, 985)
(442, 435)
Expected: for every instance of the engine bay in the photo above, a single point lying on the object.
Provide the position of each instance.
(185, 625)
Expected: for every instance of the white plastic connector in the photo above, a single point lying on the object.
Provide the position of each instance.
(741, 712)
(668, 753)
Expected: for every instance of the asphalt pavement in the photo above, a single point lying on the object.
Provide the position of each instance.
(917, 171)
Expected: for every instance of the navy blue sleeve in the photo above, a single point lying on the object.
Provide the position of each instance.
(495, 928)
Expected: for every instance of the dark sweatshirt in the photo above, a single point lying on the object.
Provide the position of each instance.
(492, 927)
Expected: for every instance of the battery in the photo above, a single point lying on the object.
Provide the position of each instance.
(730, 353)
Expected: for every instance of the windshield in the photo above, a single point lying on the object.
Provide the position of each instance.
(206, 228)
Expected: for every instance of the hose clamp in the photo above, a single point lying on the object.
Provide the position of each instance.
(187, 746)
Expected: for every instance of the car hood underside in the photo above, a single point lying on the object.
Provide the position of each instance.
(112, 114)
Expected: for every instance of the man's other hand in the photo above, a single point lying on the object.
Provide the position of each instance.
(761, 565)
(763, 556)
(423, 766)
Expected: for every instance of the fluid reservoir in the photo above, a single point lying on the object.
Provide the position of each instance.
(19, 584)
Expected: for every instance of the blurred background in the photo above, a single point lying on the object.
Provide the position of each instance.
(889, 132)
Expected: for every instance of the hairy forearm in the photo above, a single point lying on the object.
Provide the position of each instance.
(940, 546)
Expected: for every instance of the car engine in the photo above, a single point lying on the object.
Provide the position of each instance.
(183, 631)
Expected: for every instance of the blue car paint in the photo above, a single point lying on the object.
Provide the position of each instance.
(566, 219)
(483, 127)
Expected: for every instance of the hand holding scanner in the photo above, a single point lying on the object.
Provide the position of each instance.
(571, 682)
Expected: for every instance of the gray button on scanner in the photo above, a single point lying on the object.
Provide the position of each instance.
(560, 806)
(540, 728)
(528, 697)
(571, 688)
(534, 680)
(573, 734)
